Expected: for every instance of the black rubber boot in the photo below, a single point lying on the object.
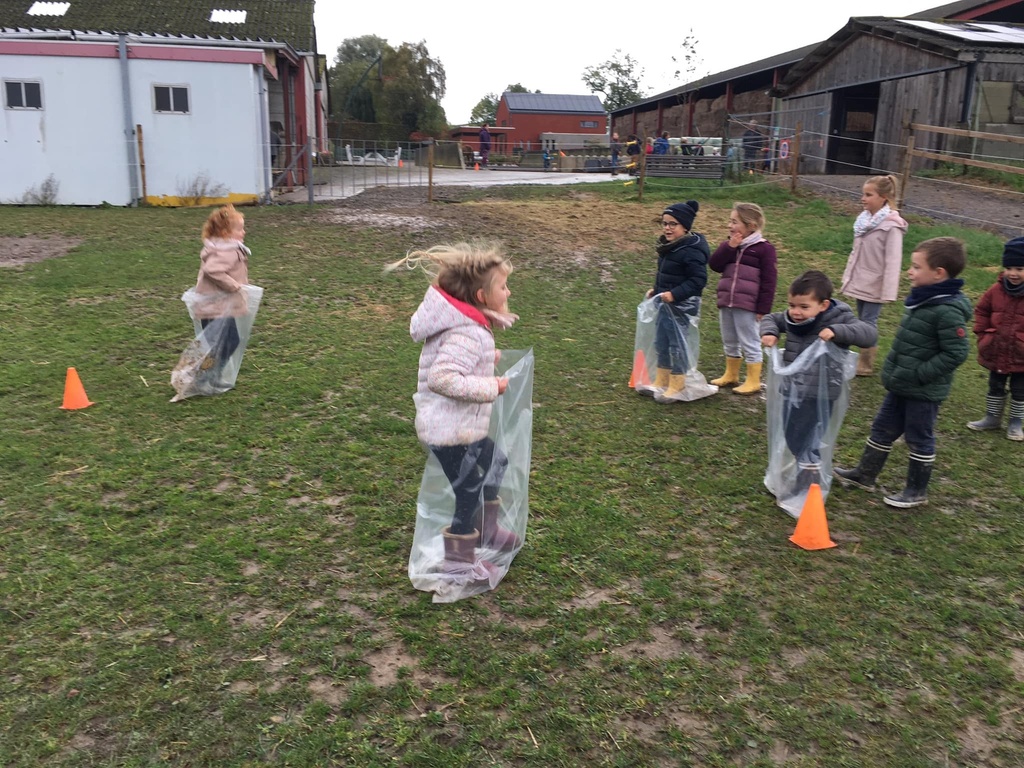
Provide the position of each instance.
(916, 492)
(866, 472)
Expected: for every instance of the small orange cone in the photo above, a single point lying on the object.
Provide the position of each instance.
(74, 392)
(400, 165)
(476, 166)
(812, 527)
(639, 374)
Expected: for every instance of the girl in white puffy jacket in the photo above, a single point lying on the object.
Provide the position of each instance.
(457, 385)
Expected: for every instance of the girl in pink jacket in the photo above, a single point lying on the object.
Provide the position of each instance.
(223, 270)
(457, 385)
(872, 275)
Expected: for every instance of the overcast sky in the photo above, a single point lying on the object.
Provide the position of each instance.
(486, 46)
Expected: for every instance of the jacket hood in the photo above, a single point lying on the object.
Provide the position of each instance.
(891, 222)
(440, 312)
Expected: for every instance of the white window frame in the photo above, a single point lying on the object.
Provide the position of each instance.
(589, 124)
(170, 88)
(24, 101)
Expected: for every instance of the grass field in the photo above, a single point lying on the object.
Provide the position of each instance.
(222, 582)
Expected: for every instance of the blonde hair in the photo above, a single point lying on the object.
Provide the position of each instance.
(750, 214)
(886, 186)
(459, 269)
(220, 223)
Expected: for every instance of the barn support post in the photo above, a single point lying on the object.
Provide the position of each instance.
(430, 171)
(129, 122)
(908, 156)
(309, 168)
(142, 158)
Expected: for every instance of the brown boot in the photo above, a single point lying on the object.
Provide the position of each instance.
(866, 361)
(493, 535)
(460, 547)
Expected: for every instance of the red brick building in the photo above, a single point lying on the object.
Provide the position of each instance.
(531, 114)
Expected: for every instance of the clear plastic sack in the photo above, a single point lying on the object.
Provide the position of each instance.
(456, 567)
(668, 337)
(209, 365)
(806, 404)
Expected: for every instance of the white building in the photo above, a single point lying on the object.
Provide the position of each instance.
(165, 114)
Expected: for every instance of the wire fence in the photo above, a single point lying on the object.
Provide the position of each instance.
(754, 153)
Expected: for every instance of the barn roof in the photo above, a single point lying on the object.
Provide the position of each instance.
(286, 21)
(948, 38)
(553, 102)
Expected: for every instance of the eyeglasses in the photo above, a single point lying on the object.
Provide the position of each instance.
(672, 224)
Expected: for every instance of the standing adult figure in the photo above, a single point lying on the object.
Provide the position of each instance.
(616, 147)
(485, 145)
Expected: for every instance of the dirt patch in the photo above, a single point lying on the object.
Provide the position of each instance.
(15, 251)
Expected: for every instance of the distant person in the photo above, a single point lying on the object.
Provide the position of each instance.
(749, 268)
(649, 149)
(661, 144)
(485, 145)
(616, 148)
(872, 275)
(275, 145)
(930, 344)
(999, 326)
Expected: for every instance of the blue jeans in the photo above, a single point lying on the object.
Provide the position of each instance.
(669, 333)
(805, 430)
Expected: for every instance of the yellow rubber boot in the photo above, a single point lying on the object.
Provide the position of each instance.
(731, 377)
(676, 385)
(752, 384)
(661, 378)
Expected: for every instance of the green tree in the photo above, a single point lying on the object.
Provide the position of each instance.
(487, 108)
(398, 90)
(617, 79)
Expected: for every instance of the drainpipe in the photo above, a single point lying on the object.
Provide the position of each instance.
(129, 122)
(268, 172)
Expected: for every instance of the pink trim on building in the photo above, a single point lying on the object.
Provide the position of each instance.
(90, 50)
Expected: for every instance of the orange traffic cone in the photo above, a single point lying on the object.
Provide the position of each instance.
(74, 392)
(476, 166)
(400, 165)
(812, 527)
(639, 375)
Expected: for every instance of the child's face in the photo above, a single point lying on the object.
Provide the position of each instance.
(496, 295)
(738, 227)
(1015, 275)
(871, 200)
(921, 272)
(671, 228)
(806, 306)
(237, 229)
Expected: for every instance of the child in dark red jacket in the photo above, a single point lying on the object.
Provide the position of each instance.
(999, 324)
(746, 290)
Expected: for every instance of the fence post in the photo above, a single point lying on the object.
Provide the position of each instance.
(908, 156)
(309, 167)
(430, 171)
(641, 169)
(795, 158)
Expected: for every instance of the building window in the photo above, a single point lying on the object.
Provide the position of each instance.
(48, 9)
(588, 123)
(171, 98)
(23, 95)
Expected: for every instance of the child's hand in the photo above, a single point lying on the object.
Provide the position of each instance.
(497, 356)
(502, 386)
(769, 341)
(735, 239)
(666, 297)
(650, 292)
(827, 334)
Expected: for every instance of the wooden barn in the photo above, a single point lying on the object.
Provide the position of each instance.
(853, 93)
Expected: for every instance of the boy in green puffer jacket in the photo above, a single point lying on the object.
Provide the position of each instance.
(929, 346)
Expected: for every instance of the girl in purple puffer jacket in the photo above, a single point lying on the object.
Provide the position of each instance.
(749, 268)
